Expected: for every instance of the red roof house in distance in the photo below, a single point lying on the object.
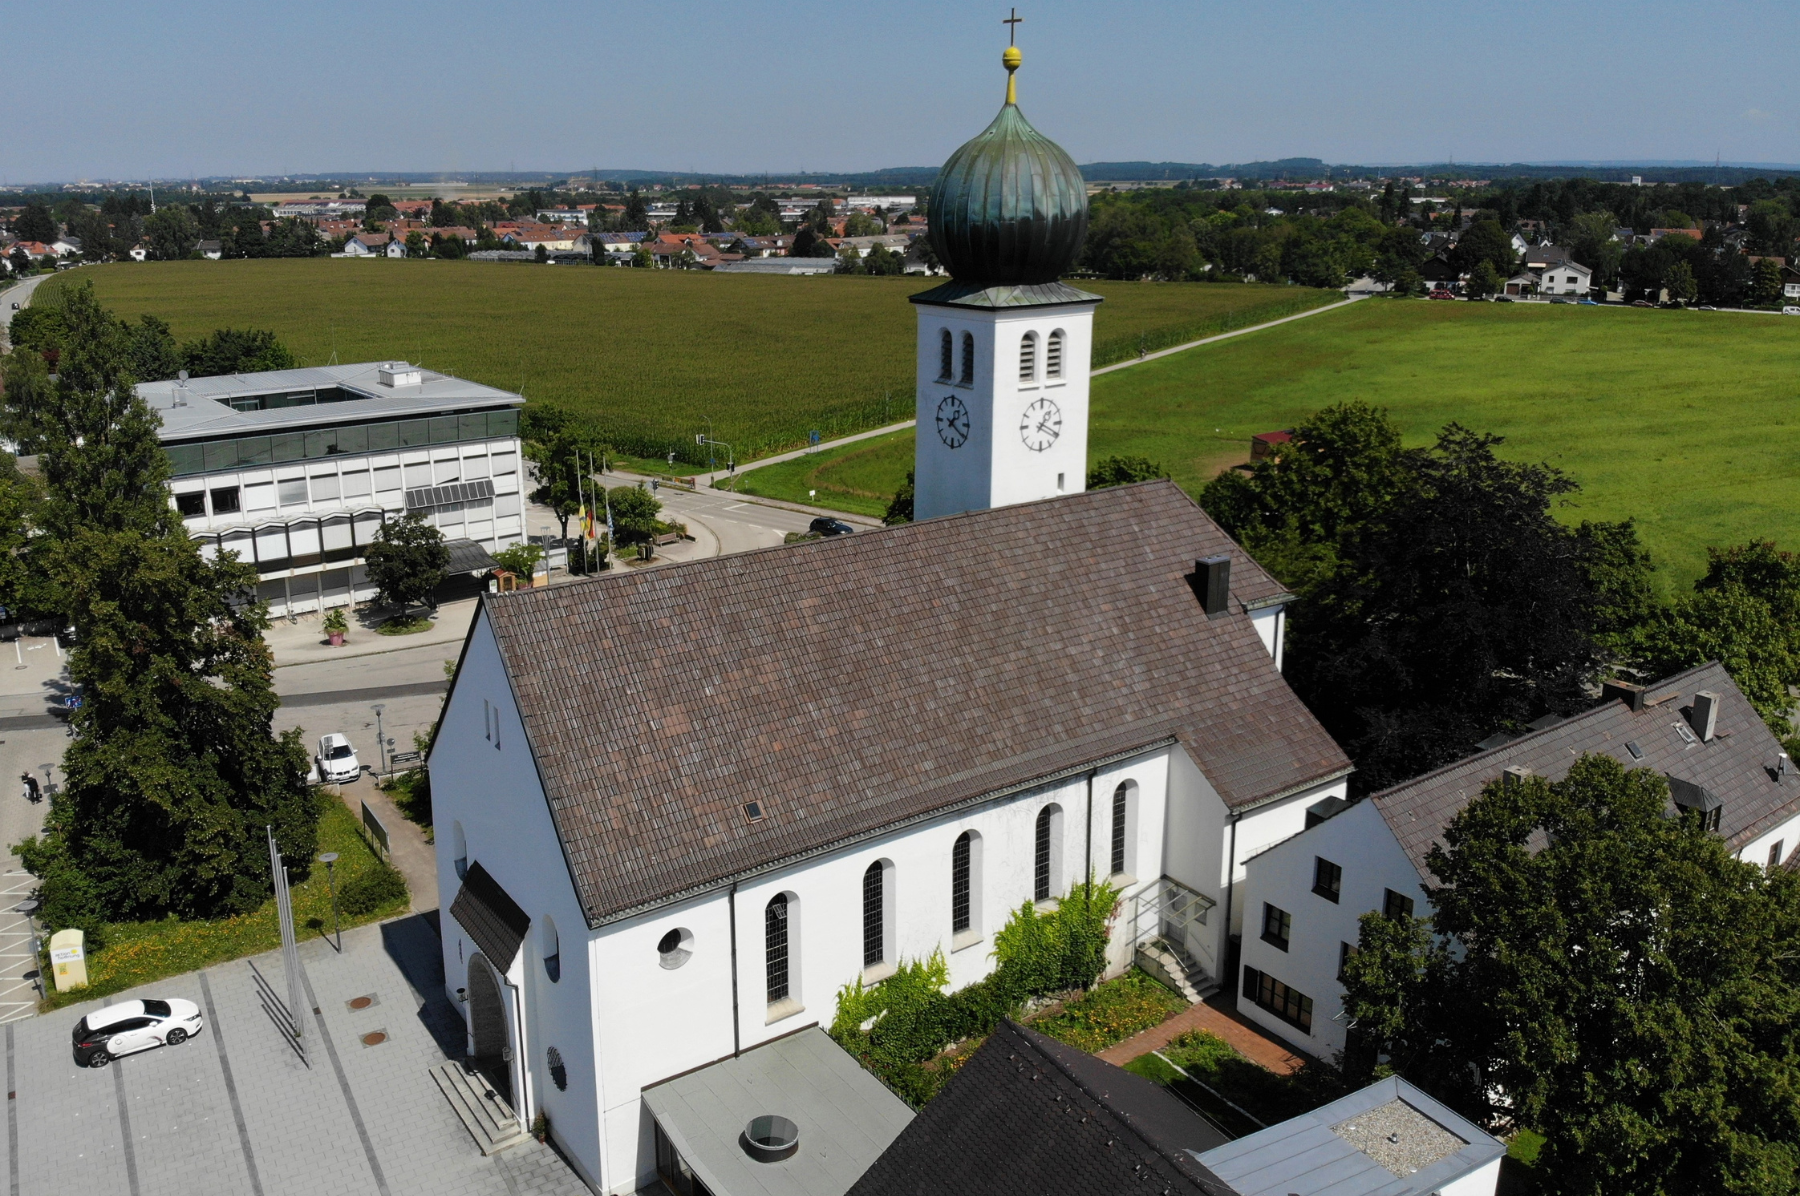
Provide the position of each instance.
(1263, 444)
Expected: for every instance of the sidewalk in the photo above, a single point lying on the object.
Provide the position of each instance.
(409, 851)
(1247, 1038)
(303, 641)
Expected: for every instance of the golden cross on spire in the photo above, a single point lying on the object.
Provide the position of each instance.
(1011, 58)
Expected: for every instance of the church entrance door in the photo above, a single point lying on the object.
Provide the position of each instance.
(487, 1021)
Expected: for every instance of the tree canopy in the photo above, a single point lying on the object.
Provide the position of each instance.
(407, 561)
(1604, 974)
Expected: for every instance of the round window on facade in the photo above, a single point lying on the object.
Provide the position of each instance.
(675, 948)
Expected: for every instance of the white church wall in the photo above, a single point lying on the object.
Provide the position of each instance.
(652, 1023)
(1359, 842)
(487, 802)
(1194, 848)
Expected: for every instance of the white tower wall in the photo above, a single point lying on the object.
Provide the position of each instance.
(1000, 438)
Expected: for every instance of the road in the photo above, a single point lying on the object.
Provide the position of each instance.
(20, 294)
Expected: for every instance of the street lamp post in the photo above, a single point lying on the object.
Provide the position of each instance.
(28, 907)
(380, 743)
(328, 859)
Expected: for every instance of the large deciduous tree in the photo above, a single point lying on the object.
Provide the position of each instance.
(174, 770)
(1606, 975)
(407, 561)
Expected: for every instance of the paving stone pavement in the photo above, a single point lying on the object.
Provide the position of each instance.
(234, 1111)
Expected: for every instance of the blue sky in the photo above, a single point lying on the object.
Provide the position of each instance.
(184, 88)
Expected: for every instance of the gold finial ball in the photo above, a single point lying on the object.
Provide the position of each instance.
(1012, 58)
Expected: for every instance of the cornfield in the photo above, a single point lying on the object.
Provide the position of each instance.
(653, 357)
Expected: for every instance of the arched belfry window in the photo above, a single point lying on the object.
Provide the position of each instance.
(1028, 358)
(775, 947)
(946, 352)
(968, 361)
(1053, 355)
(1046, 853)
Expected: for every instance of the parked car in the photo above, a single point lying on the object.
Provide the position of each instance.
(1790, 311)
(1642, 303)
(830, 527)
(1706, 307)
(1440, 293)
(1503, 298)
(337, 759)
(132, 1026)
(1587, 303)
(1560, 299)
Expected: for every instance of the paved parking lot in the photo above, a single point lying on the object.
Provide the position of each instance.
(233, 1111)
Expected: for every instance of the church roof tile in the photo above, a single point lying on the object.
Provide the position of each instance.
(851, 684)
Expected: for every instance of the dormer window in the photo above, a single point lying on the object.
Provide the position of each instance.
(1697, 801)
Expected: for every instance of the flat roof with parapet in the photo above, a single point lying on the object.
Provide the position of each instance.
(845, 1115)
(315, 395)
(1389, 1139)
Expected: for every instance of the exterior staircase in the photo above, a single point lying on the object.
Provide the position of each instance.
(1176, 968)
(487, 1117)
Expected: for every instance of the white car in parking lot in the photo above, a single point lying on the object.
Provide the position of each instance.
(337, 759)
(132, 1026)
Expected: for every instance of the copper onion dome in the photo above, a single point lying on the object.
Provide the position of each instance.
(1010, 207)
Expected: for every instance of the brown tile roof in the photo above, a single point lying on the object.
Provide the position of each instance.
(853, 683)
(1737, 766)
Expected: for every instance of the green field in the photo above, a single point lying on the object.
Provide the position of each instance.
(652, 356)
(859, 478)
(1685, 421)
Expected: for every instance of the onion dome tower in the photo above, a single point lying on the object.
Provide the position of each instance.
(1004, 345)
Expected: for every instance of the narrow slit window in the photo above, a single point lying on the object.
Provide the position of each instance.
(1118, 829)
(968, 361)
(775, 947)
(946, 351)
(1053, 355)
(1028, 358)
(874, 949)
(1040, 880)
(959, 884)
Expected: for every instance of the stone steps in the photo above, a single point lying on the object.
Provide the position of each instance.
(487, 1117)
(1191, 982)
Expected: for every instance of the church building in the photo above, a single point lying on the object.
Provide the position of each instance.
(678, 809)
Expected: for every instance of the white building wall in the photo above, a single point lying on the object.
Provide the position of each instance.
(1360, 843)
(995, 467)
(1480, 1182)
(270, 496)
(487, 799)
(653, 1023)
(1786, 833)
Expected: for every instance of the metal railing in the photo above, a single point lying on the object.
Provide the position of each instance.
(1176, 914)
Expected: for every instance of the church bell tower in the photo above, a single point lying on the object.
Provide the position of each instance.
(1004, 346)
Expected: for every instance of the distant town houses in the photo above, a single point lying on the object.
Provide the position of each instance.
(326, 209)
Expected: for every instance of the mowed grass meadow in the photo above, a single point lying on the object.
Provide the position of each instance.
(1687, 421)
(650, 355)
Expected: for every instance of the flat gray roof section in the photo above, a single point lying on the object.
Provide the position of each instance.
(202, 406)
(846, 1117)
(1388, 1139)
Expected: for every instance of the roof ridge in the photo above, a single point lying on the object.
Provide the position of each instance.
(1562, 724)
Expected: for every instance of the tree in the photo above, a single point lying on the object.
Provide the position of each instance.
(1680, 282)
(236, 351)
(1765, 282)
(566, 451)
(20, 261)
(154, 355)
(35, 223)
(1485, 241)
(1590, 239)
(173, 233)
(1122, 471)
(39, 327)
(1771, 226)
(407, 562)
(634, 512)
(1483, 281)
(1607, 976)
(883, 261)
(900, 507)
(415, 244)
(637, 213)
(174, 770)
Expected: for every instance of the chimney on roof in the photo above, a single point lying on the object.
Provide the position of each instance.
(1514, 776)
(1704, 715)
(1212, 577)
(1623, 691)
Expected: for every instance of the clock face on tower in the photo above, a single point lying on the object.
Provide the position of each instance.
(1041, 425)
(952, 422)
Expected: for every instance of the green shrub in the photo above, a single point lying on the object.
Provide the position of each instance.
(369, 890)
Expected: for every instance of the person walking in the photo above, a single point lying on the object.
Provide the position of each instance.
(32, 792)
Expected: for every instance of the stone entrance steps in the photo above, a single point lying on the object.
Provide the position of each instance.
(485, 1114)
(1172, 966)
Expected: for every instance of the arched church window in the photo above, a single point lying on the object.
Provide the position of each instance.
(1028, 358)
(946, 367)
(1053, 354)
(775, 947)
(1046, 847)
(962, 883)
(1124, 823)
(968, 361)
(874, 915)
